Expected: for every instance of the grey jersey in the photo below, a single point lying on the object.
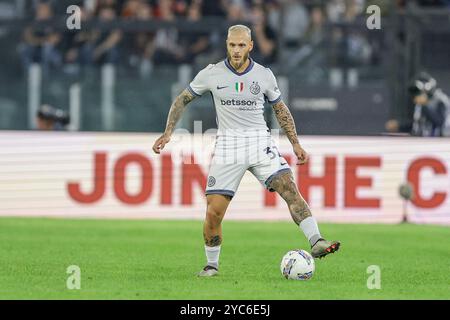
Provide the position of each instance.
(238, 97)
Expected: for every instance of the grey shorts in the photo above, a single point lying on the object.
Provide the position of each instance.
(233, 157)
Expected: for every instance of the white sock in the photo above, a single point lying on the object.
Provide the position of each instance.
(310, 229)
(212, 255)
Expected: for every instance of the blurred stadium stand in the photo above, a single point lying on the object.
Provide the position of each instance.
(132, 56)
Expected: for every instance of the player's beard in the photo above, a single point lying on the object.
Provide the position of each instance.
(241, 63)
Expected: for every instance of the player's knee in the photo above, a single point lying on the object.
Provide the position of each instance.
(214, 215)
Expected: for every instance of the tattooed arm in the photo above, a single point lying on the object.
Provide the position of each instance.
(287, 123)
(175, 112)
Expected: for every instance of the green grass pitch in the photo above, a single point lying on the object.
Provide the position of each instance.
(152, 259)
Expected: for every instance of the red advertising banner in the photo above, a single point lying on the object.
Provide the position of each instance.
(347, 179)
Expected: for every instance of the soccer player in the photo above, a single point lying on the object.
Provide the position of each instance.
(239, 87)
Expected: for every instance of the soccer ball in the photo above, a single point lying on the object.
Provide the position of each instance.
(297, 265)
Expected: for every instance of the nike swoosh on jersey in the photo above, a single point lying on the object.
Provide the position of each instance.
(219, 88)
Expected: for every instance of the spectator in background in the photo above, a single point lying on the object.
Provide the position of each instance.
(131, 8)
(431, 113)
(194, 44)
(273, 11)
(264, 37)
(73, 42)
(349, 46)
(49, 118)
(141, 44)
(336, 10)
(354, 9)
(344, 10)
(431, 107)
(358, 49)
(166, 47)
(163, 10)
(316, 30)
(295, 24)
(40, 44)
(102, 46)
(180, 7)
(115, 5)
(236, 12)
(315, 48)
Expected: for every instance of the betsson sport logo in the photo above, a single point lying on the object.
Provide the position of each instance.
(234, 102)
(244, 105)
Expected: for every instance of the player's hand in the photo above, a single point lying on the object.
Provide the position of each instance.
(160, 143)
(302, 156)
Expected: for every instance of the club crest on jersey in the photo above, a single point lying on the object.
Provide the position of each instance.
(211, 181)
(255, 88)
(239, 86)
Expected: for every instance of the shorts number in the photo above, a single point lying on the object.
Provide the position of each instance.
(272, 154)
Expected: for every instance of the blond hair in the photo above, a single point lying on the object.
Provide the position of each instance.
(240, 28)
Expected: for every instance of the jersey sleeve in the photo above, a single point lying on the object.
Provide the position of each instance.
(200, 84)
(272, 93)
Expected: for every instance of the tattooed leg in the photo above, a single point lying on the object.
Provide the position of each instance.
(285, 185)
(212, 228)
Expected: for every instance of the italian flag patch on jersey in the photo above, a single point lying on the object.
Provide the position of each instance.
(239, 86)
